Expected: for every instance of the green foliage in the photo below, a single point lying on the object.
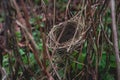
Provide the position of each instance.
(46, 1)
(5, 61)
(1, 19)
(102, 63)
(108, 76)
(61, 72)
(18, 35)
(37, 1)
(112, 61)
(74, 62)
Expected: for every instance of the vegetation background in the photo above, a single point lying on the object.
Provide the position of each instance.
(24, 31)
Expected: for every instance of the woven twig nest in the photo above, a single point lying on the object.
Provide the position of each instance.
(67, 35)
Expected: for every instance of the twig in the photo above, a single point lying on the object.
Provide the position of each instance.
(36, 51)
(115, 38)
(26, 16)
(106, 37)
(54, 12)
(67, 7)
(53, 65)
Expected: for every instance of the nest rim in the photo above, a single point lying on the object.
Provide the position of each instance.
(71, 44)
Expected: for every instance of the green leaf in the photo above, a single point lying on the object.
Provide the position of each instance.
(40, 17)
(21, 51)
(109, 77)
(61, 72)
(112, 61)
(18, 35)
(42, 24)
(81, 58)
(32, 20)
(73, 66)
(40, 45)
(103, 61)
(5, 60)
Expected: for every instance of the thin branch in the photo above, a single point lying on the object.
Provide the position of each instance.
(67, 9)
(35, 49)
(115, 38)
(26, 15)
(54, 12)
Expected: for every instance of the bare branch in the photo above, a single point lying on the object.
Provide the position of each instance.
(115, 38)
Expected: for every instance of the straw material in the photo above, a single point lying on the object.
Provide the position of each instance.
(67, 35)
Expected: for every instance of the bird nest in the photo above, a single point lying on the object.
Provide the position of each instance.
(68, 35)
